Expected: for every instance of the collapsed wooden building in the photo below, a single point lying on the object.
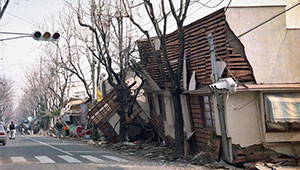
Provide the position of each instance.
(250, 61)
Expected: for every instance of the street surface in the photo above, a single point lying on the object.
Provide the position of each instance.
(45, 153)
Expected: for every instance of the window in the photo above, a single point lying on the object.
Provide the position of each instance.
(161, 103)
(150, 102)
(206, 106)
(282, 112)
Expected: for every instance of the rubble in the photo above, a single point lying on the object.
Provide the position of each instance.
(161, 153)
(264, 165)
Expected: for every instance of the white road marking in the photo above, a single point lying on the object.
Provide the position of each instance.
(53, 147)
(18, 159)
(88, 152)
(69, 159)
(92, 158)
(44, 159)
(115, 158)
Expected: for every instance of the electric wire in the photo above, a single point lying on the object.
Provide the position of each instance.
(168, 14)
(191, 13)
(205, 4)
(200, 7)
(215, 28)
(229, 71)
(28, 22)
(261, 24)
(242, 106)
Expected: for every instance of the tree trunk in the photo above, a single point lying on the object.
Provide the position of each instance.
(179, 134)
(122, 134)
(123, 99)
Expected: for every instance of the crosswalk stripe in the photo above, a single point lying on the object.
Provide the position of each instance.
(92, 158)
(44, 159)
(18, 159)
(69, 159)
(115, 158)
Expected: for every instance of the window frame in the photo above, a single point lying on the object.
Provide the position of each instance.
(162, 109)
(151, 103)
(211, 112)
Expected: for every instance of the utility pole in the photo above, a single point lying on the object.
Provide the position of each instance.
(219, 97)
(94, 99)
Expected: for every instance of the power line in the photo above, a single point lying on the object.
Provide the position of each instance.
(259, 25)
(205, 4)
(28, 22)
(224, 14)
(201, 7)
(192, 12)
(168, 14)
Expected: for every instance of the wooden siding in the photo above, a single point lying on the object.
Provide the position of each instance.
(104, 109)
(149, 63)
(155, 119)
(202, 136)
(198, 53)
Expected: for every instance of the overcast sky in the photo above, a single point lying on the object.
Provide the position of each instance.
(17, 56)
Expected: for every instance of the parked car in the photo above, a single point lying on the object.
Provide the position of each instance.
(3, 135)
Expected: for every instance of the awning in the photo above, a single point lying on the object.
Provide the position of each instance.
(282, 107)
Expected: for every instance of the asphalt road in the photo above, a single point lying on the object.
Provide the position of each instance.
(45, 153)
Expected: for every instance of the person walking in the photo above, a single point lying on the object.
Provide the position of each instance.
(12, 130)
(59, 127)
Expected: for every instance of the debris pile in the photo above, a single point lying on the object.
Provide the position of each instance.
(152, 151)
(157, 152)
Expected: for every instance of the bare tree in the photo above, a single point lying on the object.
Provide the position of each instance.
(72, 51)
(114, 47)
(43, 94)
(6, 97)
(59, 77)
(173, 74)
(3, 7)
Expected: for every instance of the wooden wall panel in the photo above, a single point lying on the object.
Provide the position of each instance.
(202, 136)
(198, 53)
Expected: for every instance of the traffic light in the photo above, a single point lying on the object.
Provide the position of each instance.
(37, 35)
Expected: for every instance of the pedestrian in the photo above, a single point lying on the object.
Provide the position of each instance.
(12, 130)
(59, 127)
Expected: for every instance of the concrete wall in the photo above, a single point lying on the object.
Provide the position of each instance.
(286, 66)
(246, 125)
(242, 118)
(270, 49)
(293, 16)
